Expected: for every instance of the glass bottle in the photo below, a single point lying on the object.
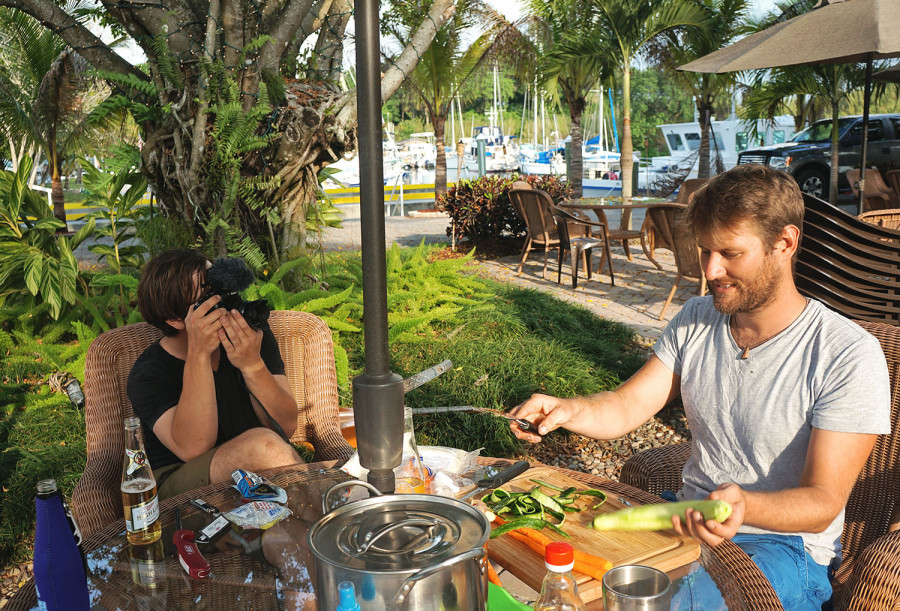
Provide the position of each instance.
(559, 591)
(139, 489)
(59, 567)
(410, 475)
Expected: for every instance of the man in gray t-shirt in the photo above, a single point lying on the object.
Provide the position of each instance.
(784, 397)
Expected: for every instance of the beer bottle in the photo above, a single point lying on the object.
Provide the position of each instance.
(139, 489)
(59, 567)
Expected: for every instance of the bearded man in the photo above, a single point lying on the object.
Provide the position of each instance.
(784, 398)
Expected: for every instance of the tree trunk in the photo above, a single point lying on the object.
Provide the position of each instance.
(58, 197)
(627, 158)
(575, 163)
(440, 163)
(705, 111)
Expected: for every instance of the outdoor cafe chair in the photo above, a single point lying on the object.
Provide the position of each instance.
(665, 218)
(534, 206)
(850, 265)
(651, 238)
(868, 578)
(580, 247)
(892, 178)
(878, 195)
(889, 218)
(308, 353)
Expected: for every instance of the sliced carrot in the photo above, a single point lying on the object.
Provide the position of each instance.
(493, 577)
(593, 566)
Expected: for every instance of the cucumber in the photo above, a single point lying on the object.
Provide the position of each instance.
(659, 517)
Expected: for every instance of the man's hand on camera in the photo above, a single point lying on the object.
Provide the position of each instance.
(242, 343)
(203, 326)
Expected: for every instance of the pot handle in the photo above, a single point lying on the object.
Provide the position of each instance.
(347, 484)
(478, 553)
(372, 537)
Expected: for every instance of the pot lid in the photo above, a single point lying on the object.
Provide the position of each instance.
(397, 533)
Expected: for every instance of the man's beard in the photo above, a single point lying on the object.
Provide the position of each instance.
(751, 295)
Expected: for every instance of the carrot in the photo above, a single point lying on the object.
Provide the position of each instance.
(591, 565)
(493, 577)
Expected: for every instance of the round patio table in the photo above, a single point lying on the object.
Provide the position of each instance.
(122, 576)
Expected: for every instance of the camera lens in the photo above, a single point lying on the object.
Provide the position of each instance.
(255, 312)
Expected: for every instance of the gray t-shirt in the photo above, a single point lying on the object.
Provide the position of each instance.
(751, 419)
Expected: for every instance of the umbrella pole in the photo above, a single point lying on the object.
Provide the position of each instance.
(865, 134)
(377, 393)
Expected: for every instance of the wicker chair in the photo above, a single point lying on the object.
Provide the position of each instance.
(889, 218)
(534, 206)
(579, 246)
(892, 178)
(869, 576)
(308, 353)
(651, 238)
(878, 195)
(850, 265)
(684, 245)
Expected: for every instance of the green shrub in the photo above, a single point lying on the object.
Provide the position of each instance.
(480, 209)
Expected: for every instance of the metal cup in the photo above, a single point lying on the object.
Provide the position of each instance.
(632, 587)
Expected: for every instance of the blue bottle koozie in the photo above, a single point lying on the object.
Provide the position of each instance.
(59, 573)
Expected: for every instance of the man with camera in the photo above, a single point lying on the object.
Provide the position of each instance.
(211, 394)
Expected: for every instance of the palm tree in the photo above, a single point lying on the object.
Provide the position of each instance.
(623, 29)
(551, 23)
(829, 84)
(445, 66)
(44, 95)
(726, 22)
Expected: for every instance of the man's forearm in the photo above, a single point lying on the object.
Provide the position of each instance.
(195, 424)
(603, 415)
(806, 509)
(279, 403)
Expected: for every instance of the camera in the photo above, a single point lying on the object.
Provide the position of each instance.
(227, 277)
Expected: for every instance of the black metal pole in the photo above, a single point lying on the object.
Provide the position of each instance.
(377, 393)
(865, 134)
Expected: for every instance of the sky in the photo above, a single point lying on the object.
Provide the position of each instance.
(511, 9)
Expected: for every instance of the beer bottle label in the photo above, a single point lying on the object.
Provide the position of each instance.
(139, 517)
(136, 460)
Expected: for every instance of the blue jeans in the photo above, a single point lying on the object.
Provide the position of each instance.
(797, 579)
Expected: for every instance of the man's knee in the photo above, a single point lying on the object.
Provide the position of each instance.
(262, 442)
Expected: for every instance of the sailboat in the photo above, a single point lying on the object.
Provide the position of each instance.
(501, 152)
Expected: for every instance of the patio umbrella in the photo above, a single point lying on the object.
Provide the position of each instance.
(378, 392)
(833, 32)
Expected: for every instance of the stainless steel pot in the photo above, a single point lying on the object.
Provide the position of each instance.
(403, 552)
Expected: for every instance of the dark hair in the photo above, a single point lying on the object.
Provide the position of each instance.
(167, 288)
(768, 198)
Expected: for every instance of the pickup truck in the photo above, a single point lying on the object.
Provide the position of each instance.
(807, 155)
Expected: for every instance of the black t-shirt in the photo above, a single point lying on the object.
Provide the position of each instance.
(156, 381)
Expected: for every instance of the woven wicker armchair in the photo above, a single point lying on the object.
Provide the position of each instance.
(665, 218)
(889, 218)
(869, 576)
(308, 353)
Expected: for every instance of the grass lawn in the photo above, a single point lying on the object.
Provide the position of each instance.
(505, 343)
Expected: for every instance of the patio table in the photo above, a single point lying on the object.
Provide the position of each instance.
(624, 232)
(122, 576)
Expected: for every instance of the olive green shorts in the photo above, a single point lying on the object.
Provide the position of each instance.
(179, 477)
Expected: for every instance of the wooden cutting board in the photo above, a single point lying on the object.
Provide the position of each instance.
(664, 550)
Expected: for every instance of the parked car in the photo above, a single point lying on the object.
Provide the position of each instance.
(807, 155)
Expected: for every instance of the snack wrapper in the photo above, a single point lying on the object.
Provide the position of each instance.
(258, 514)
(255, 488)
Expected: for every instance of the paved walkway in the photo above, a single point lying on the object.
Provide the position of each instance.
(636, 299)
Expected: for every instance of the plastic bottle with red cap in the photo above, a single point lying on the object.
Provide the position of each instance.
(559, 591)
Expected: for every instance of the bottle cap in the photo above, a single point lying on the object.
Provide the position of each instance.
(559, 555)
(347, 597)
(132, 422)
(46, 486)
